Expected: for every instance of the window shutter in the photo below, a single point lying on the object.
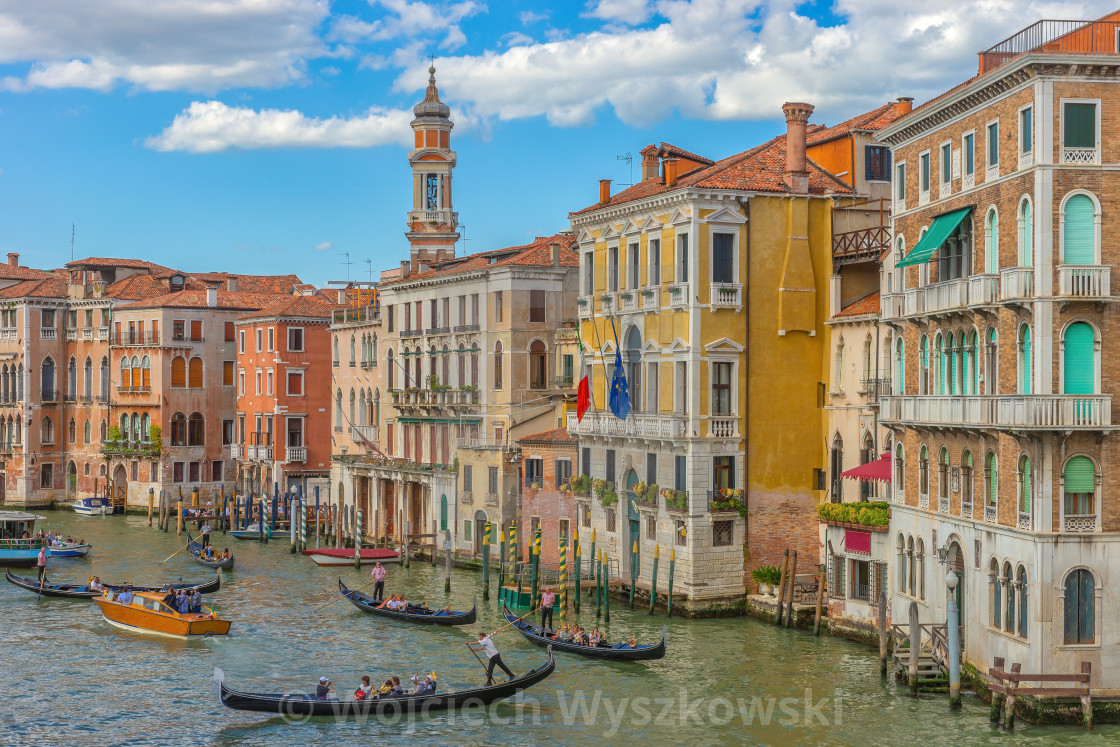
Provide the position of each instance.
(1078, 232)
(196, 373)
(831, 576)
(993, 487)
(229, 331)
(1080, 475)
(196, 329)
(179, 371)
(227, 373)
(1078, 360)
(1026, 507)
(146, 377)
(869, 171)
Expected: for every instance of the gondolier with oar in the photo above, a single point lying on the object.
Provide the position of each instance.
(205, 529)
(378, 576)
(41, 563)
(495, 659)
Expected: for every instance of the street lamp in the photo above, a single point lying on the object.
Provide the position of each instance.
(954, 635)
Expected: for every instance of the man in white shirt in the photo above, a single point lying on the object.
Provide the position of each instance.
(487, 645)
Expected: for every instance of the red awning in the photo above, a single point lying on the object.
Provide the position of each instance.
(879, 470)
(857, 541)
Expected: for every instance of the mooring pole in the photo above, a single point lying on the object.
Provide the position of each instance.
(486, 561)
(653, 579)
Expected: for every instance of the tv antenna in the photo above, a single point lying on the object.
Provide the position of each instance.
(629, 162)
(369, 266)
(347, 263)
(73, 231)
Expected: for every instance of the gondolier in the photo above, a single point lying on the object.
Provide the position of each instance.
(41, 562)
(378, 574)
(495, 659)
(548, 598)
(205, 529)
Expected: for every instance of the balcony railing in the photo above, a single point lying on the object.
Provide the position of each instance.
(1043, 411)
(915, 301)
(1084, 281)
(481, 443)
(9, 333)
(411, 332)
(1026, 160)
(50, 395)
(72, 335)
(358, 432)
(1079, 523)
(875, 389)
(466, 327)
(983, 289)
(1088, 156)
(87, 334)
(1016, 283)
(1026, 521)
(235, 451)
(651, 298)
(893, 305)
(951, 294)
(991, 514)
(678, 296)
(638, 424)
(1053, 37)
(137, 338)
(628, 301)
(723, 427)
(861, 242)
(439, 330)
(297, 454)
(563, 382)
(968, 181)
(103, 333)
(48, 333)
(361, 314)
(584, 305)
(726, 296)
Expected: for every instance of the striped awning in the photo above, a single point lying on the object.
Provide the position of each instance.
(943, 226)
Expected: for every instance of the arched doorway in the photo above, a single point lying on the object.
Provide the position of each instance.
(72, 480)
(120, 485)
(955, 563)
(632, 513)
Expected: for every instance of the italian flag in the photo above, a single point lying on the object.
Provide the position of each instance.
(583, 391)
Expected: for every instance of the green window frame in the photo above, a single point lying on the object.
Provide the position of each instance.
(992, 144)
(946, 163)
(1079, 231)
(1026, 130)
(1025, 484)
(1080, 607)
(991, 477)
(443, 513)
(968, 153)
(923, 172)
(900, 178)
(1025, 372)
(1079, 486)
(1079, 124)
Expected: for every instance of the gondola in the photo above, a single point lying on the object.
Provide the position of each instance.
(82, 591)
(303, 704)
(613, 653)
(194, 547)
(365, 603)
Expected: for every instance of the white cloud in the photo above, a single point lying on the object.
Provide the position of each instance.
(325, 246)
(528, 17)
(408, 19)
(211, 126)
(627, 11)
(516, 38)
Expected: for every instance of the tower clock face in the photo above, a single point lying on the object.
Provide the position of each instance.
(432, 192)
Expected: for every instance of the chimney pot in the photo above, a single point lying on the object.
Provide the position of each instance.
(341, 296)
(406, 268)
(211, 297)
(554, 247)
(670, 171)
(604, 191)
(13, 259)
(231, 284)
(797, 122)
(651, 168)
(905, 105)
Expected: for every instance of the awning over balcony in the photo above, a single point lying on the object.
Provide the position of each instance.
(943, 226)
(879, 470)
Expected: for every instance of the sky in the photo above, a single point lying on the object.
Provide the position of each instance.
(271, 136)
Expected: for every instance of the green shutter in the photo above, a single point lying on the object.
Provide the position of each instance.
(1078, 360)
(974, 352)
(1080, 475)
(443, 513)
(1078, 232)
(1025, 363)
(1026, 250)
(993, 482)
(1025, 500)
(1080, 126)
(991, 261)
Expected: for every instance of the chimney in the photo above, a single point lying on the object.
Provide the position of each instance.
(231, 284)
(13, 259)
(212, 297)
(406, 268)
(904, 105)
(670, 171)
(604, 191)
(797, 120)
(341, 296)
(651, 168)
(554, 248)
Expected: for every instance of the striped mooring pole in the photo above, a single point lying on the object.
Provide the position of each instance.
(486, 560)
(358, 540)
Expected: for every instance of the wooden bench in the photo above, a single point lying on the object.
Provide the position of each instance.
(1007, 684)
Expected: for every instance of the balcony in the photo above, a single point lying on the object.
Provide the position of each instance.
(87, 334)
(411, 332)
(726, 296)
(1030, 411)
(893, 306)
(945, 296)
(1084, 281)
(439, 330)
(297, 454)
(137, 339)
(968, 181)
(563, 382)
(609, 301)
(991, 514)
(651, 298)
(864, 243)
(983, 289)
(1079, 523)
(442, 215)
(628, 301)
(48, 333)
(1016, 283)
(466, 327)
(915, 301)
(1084, 156)
(1053, 37)
(103, 333)
(235, 451)
(638, 425)
(480, 442)
(585, 306)
(723, 427)
(49, 395)
(71, 335)
(1026, 521)
(354, 316)
(9, 333)
(678, 296)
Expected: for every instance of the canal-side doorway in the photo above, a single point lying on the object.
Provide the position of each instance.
(634, 522)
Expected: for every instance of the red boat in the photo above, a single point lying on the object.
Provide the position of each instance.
(343, 556)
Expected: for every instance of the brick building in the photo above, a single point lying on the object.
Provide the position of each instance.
(548, 503)
(999, 293)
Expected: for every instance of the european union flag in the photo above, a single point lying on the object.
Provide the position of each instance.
(620, 394)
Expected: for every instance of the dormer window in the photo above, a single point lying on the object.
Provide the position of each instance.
(176, 283)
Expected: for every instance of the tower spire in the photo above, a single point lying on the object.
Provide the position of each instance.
(432, 223)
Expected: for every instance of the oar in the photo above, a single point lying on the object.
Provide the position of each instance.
(42, 580)
(328, 604)
(499, 630)
(169, 557)
(475, 652)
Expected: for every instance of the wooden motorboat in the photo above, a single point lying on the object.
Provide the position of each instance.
(415, 614)
(95, 506)
(306, 704)
(341, 556)
(69, 550)
(617, 652)
(82, 591)
(146, 613)
(195, 548)
(252, 532)
(15, 551)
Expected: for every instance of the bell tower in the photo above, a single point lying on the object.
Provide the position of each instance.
(433, 226)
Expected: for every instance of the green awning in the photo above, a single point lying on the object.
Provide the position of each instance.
(943, 226)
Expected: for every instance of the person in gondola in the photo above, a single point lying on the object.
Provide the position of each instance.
(41, 564)
(397, 690)
(493, 657)
(363, 689)
(632, 643)
(548, 598)
(324, 688)
(378, 574)
(95, 584)
(225, 554)
(596, 638)
(205, 532)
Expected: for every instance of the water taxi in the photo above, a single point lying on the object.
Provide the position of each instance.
(14, 550)
(95, 506)
(146, 613)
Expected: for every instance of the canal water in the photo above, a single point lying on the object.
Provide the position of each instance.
(75, 680)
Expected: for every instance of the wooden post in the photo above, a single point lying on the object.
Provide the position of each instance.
(151, 501)
(261, 521)
(653, 579)
(672, 572)
(822, 584)
(194, 498)
(435, 540)
(1009, 704)
(1086, 699)
(317, 521)
(598, 582)
(501, 563)
(536, 568)
(224, 519)
(606, 589)
(882, 634)
(407, 534)
(179, 517)
(486, 561)
(915, 647)
(563, 579)
(236, 512)
(782, 586)
(579, 570)
(446, 559)
(595, 571)
(997, 698)
(790, 595)
(633, 571)
(358, 539)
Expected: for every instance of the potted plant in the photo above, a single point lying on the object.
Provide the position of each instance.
(605, 489)
(675, 500)
(766, 576)
(647, 494)
(580, 484)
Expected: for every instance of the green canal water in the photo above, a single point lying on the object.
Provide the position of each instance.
(75, 680)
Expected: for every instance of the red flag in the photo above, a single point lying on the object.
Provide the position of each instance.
(583, 398)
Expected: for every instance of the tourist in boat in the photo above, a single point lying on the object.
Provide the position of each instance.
(324, 688)
(495, 659)
(170, 600)
(632, 643)
(397, 690)
(196, 601)
(378, 574)
(205, 533)
(596, 638)
(548, 598)
(183, 602)
(95, 584)
(126, 596)
(225, 553)
(41, 564)
(363, 689)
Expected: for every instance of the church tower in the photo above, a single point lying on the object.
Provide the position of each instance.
(433, 227)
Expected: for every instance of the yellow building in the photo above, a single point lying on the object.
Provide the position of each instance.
(715, 276)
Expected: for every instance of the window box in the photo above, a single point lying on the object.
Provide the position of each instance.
(675, 500)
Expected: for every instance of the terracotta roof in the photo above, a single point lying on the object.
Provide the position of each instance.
(108, 263)
(52, 286)
(535, 254)
(668, 149)
(196, 299)
(295, 306)
(21, 272)
(253, 283)
(760, 169)
(869, 304)
(143, 287)
(871, 121)
(558, 436)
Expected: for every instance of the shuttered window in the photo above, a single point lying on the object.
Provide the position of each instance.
(178, 371)
(196, 373)
(877, 163)
(229, 331)
(196, 329)
(146, 372)
(991, 242)
(1026, 236)
(723, 260)
(126, 373)
(1078, 355)
(1080, 484)
(1025, 484)
(1080, 607)
(1079, 125)
(1078, 234)
(993, 479)
(1025, 360)
(227, 373)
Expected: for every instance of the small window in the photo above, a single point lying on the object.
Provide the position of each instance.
(536, 306)
(271, 338)
(877, 163)
(721, 388)
(227, 373)
(923, 172)
(992, 145)
(654, 262)
(196, 471)
(295, 339)
(241, 342)
(177, 472)
(196, 330)
(682, 258)
(723, 258)
(679, 533)
(723, 533)
(1079, 125)
(946, 163)
(900, 181)
(492, 480)
(179, 330)
(260, 340)
(468, 478)
(295, 383)
(968, 155)
(1026, 130)
(46, 479)
(534, 468)
(563, 468)
(611, 520)
(229, 332)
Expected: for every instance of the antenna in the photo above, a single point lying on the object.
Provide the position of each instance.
(369, 266)
(347, 263)
(629, 162)
(73, 231)
(463, 238)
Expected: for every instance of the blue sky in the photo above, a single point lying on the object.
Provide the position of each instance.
(271, 135)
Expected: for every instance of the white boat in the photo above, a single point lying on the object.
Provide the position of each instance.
(93, 506)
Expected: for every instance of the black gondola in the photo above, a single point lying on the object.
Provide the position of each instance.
(613, 653)
(82, 591)
(420, 615)
(195, 548)
(303, 704)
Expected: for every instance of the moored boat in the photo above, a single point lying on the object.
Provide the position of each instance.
(14, 549)
(334, 556)
(252, 532)
(617, 652)
(146, 613)
(306, 704)
(415, 614)
(82, 591)
(195, 548)
(95, 506)
(69, 550)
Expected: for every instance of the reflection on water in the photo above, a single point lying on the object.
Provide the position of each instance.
(76, 680)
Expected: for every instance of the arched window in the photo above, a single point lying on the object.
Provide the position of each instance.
(972, 363)
(5, 392)
(196, 430)
(1079, 360)
(351, 350)
(912, 578)
(334, 343)
(1021, 582)
(195, 377)
(899, 482)
(146, 428)
(87, 432)
(1006, 579)
(338, 410)
(72, 432)
(920, 562)
(991, 241)
(463, 364)
(178, 429)
(939, 364)
(125, 431)
(1079, 234)
(868, 359)
(104, 378)
(377, 407)
(179, 371)
(72, 379)
(47, 380)
(353, 404)
(136, 434)
(943, 477)
(362, 408)
(923, 365)
(1024, 484)
(991, 363)
(1079, 487)
(967, 477)
(634, 370)
(47, 431)
(836, 467)
(390, 370)
(923, 471)
(991, 480)
(443, 513)
(1080, 604)
(538, 365)
(88, 371)
(146, 373)
(961, 370)
(1025, 368)
(474, 367)
(1025, 234)
(901, 549)
(899, 367)
(103, 433)
(497, 364)
(996, 594)
(838, 366)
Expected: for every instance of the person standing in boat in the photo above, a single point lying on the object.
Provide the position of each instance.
(205, 532)
(548, 598)
(495, 659)
(196, 600)
(41, 563)
(378, 574)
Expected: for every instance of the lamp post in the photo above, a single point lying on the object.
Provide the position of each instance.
(951, 581)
